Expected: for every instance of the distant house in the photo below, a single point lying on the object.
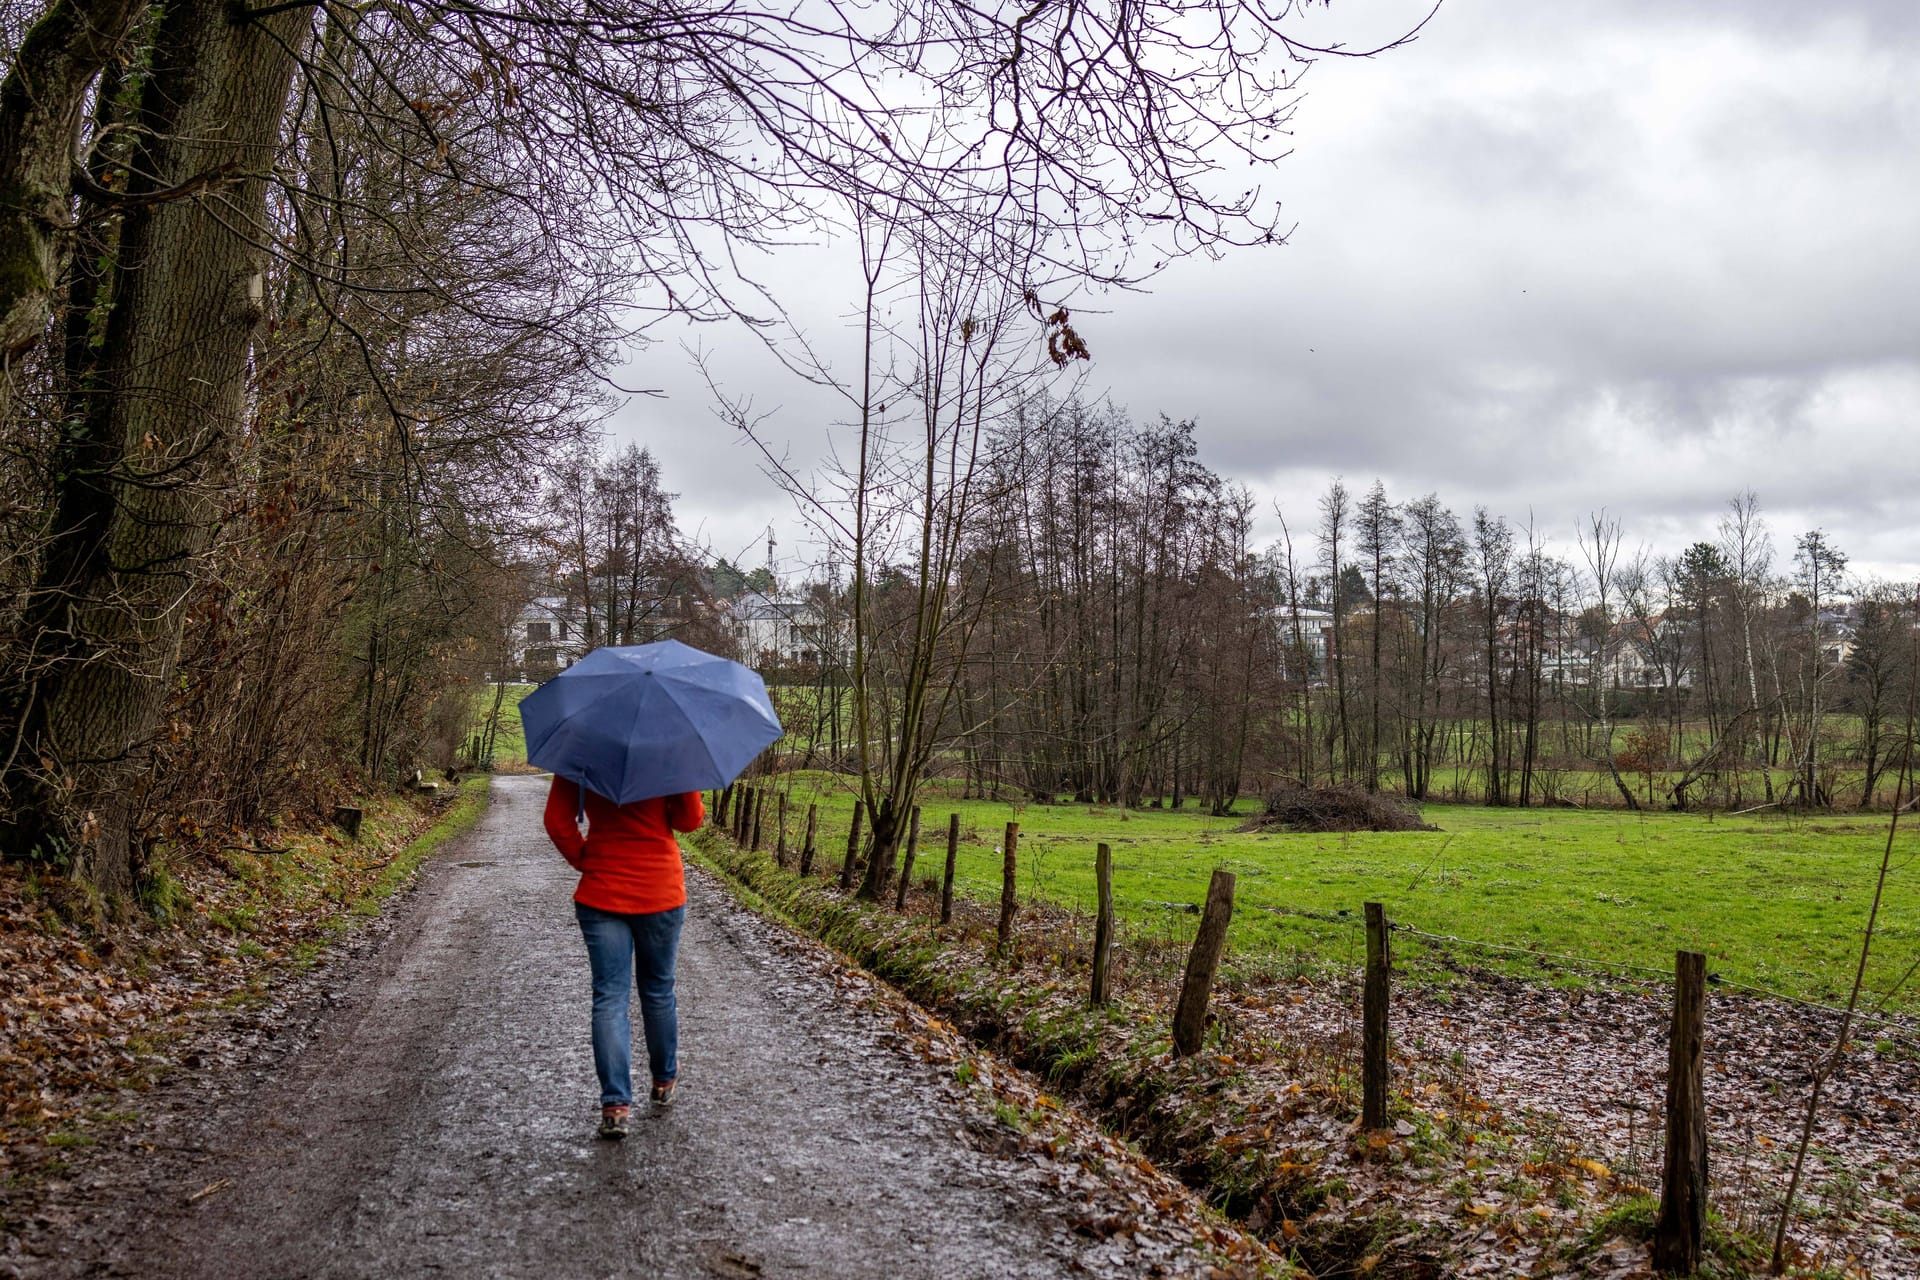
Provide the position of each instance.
(1568, 667)
(777, 630)
(1305, 634)
(547, 638)
(1839, 631)
(1654, 654)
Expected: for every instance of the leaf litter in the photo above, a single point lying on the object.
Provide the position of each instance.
(94, 1012)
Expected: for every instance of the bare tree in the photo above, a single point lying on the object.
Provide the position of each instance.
(1335, 513)
(1748, 550)
(1820, 570)
(1599, 541)
(1377, 534)
(1435, 557)
(1493, 565)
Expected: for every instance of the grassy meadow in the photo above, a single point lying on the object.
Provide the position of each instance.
(1776, 902)
(510, 740)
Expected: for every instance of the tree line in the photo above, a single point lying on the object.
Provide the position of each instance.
(1117, 636)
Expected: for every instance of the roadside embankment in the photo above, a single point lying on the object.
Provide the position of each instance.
(1468, 1180)
(94, 1011)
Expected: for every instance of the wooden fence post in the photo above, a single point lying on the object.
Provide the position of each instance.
(906, 861)
(806, 848)
(1103, 922)
(780, 831)
(946, 881)
(759, 813)
(1681, 1226)
(741, 813)
(724, 808)
(1008, 903)
(853, 849)
(1373, 1022)
(1203, 962)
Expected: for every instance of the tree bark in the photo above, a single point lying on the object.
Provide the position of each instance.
(946, 877)
(853, 849)
(1102, 924)
(1374, 1064)
(41, 99)
(1203, 962)
(906, 862)
(158, 413)
(806, 846)
(1680, 1231)
(1008, 902)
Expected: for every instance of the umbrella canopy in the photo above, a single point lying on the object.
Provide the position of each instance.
(638, 721)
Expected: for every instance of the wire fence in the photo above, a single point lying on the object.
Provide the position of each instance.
(1857, 1208)
(1598, 1090)
(1874, 1014)
(1586, 1066)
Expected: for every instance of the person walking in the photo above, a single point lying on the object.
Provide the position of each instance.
(633, 734)
(631, 903)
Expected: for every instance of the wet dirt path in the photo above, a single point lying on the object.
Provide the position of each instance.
(438, 1120)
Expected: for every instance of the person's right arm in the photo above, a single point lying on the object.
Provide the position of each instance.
(563, 827)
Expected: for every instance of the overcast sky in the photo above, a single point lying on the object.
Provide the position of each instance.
(1549, 258)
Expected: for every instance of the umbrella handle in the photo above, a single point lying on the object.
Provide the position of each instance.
(580, 805)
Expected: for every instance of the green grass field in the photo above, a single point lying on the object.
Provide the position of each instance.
(1775, 902)
(510, 741)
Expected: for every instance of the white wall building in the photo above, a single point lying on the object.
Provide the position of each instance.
(547, 637)
(781, 630)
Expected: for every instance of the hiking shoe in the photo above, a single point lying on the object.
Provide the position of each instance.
(663, 1096)
(613, 1122)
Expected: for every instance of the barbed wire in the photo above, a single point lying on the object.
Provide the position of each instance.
(1530, 952)
(1326, 917)
(1873, 1016)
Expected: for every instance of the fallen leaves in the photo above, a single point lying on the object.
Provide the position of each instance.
(87, 1012)
(1524, 1113)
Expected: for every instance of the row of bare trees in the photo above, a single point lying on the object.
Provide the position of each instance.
(301, 345)
(613, 551)
(1112, 633)
(1713, 674)
(1128, 648)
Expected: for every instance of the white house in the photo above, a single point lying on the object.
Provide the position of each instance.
(781, 630)
(547, 637)
(1304, 633)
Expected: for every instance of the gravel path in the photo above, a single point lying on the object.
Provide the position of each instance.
(436, 1116)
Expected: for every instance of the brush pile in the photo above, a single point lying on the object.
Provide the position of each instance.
(1291, 807)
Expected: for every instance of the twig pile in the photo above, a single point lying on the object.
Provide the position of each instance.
(1292, 807)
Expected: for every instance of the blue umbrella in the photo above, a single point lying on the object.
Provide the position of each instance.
(647, 720)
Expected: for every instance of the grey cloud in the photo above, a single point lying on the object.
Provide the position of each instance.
(1640, 256)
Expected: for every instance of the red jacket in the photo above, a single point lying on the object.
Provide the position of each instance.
(628, 861)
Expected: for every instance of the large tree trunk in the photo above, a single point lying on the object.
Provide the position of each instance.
(41, 99)
(155, 417)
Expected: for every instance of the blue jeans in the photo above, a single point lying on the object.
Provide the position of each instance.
(620, 947)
